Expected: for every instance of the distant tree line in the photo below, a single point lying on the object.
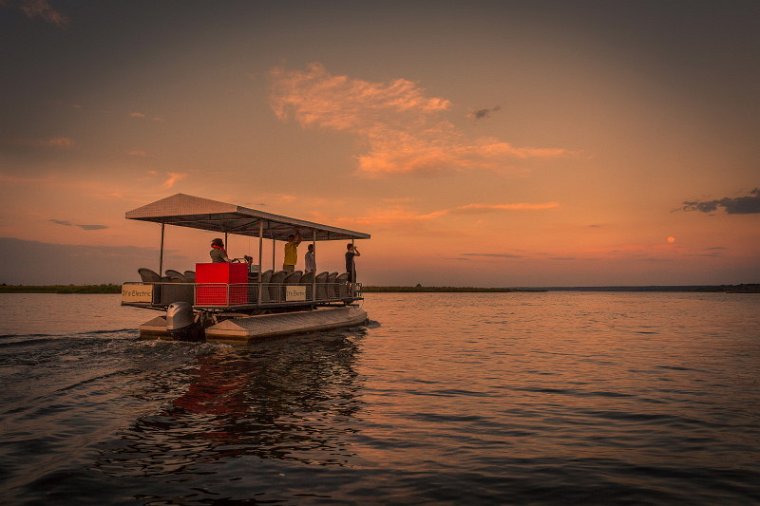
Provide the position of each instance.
(111, 288)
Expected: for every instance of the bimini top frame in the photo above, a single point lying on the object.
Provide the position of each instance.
(204, 214)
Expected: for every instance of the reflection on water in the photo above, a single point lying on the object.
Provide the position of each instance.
(270, 400)
(632, 398)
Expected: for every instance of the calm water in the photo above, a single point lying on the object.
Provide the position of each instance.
(443, 398)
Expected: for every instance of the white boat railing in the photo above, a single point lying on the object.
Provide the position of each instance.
(222, 295)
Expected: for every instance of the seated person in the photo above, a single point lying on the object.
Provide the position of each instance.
(218, 253)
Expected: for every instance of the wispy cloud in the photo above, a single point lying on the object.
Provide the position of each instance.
(59, 143)
(38, 9)
(484, 113)
(315, 97)
(67, 223)
(138, 115)
(172, 178)
(520, 206)
(398, 214)
(492, 255)
(739, 205)
(402, 128)
(55, 142)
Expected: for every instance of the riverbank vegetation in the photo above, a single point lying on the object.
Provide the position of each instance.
(453, 289)
(111, 288)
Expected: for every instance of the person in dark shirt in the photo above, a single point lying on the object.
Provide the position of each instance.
(350, 266)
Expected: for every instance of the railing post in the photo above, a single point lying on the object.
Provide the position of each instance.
(261, 267)
(314, 274)
(161, 254)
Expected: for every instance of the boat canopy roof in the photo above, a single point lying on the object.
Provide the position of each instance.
(205, 214)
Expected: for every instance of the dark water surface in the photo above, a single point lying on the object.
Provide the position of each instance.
(443, 398)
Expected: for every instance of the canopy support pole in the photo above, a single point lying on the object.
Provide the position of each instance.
(161, 253)
(314, 274)
(261, 244)
(273, 241)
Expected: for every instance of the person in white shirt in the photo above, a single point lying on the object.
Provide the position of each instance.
(311, 264)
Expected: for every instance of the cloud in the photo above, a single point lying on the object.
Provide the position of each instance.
(492, 255)
(484, 113)
(521, 206)
(56, 143)
(401, 127)
(316, 98)
(67, 223)
(137, 115)
(739, 205)
(398, 214)
(172, 178)
(39, 9)
(59, 143)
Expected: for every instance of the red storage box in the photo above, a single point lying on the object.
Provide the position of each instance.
(221, 284)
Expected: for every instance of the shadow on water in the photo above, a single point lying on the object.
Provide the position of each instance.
(283, 399)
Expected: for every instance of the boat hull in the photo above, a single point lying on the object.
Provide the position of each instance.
(250, 328)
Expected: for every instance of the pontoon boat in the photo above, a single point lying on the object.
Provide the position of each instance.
(237, 301)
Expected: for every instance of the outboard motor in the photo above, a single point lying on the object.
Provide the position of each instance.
(180, 323)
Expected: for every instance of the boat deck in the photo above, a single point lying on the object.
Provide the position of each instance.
(240, 297)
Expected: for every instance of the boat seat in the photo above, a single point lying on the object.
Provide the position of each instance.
(293, 278)
(148, 276)
(175, 276)
(308, 280)
(342, 285)
(266, 278)
(321, 287)
(275, 286)
(332, 289)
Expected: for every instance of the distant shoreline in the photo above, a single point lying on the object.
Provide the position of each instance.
(63, 289)
(742, 288)
(111, 289)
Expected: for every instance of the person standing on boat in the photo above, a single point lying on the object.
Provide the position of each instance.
(311, 263)
(218, 253)
(350, 266)
(291, 252)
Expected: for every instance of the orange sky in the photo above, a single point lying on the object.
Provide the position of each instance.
(480, 143)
